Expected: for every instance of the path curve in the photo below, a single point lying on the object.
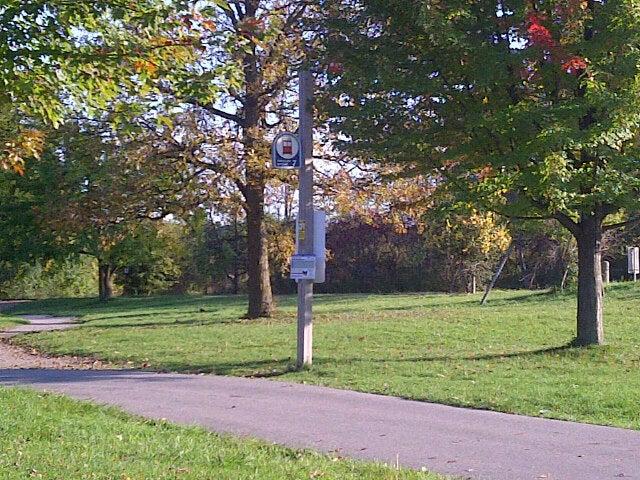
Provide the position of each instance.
(40, 323)
(473, 444)
(15, 357)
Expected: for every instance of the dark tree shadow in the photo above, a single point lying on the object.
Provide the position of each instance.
(10, 377)
(282, 366)
(149, 324)
(447, 358)
(250, 368)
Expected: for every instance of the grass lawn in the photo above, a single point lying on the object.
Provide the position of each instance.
(52, 437)
(509, 356)
(7, 321)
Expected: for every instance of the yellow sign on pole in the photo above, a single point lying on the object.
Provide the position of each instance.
(302, 231)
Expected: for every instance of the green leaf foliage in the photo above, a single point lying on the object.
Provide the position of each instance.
(527, 108)
(57, 53)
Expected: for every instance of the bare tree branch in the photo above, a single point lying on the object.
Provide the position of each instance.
(629, 223)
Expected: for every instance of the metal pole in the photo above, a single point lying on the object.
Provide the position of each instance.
(606, 272)
(305, 219)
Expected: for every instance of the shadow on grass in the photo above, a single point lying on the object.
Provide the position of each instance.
(10, 377)
(329, 304)
(175, 323)
(84, 306)
(270, 368)
(142, 315)
(119, 321)
(279, 367)
(474, 301)
(492, 356)
(567, 348)
(194, 322)
(527, 297)
(250, 368)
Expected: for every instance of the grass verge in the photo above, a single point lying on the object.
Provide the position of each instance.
(8, 321)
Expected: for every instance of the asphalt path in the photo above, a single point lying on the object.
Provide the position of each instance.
(468, 443)
(40, 323)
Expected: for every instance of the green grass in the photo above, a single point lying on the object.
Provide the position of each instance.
(510, 356)
(7, 321)
(51, 437)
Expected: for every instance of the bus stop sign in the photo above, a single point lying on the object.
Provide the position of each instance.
(286, 152)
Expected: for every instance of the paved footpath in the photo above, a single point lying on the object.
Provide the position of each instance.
(12, 357)
(35, 323)
(40, 323)
(468, 443)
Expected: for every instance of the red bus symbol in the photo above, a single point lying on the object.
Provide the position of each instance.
(287, 146)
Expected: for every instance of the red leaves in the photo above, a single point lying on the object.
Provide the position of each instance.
(575, 65)
(335, 68)
(209, 25)
(27, 144)
(485, 172)
(539, 35)
(195, 20)
(145, 66)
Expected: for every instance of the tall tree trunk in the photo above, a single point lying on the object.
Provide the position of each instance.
(590, 329)
(105, 281)
(259, 282)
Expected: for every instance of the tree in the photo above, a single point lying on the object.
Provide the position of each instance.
(65, 277)
(58, 57)
(19, 142)
(150, 259)
(545, 255)
(467, 246)
(21, 239)
(525, 108)
(371, 255)
(216, 252)
(240, 93)
(90, 193)
(230, 63)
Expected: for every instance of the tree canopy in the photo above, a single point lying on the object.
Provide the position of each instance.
(90, 193)
(527, 108)
(58, 57)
